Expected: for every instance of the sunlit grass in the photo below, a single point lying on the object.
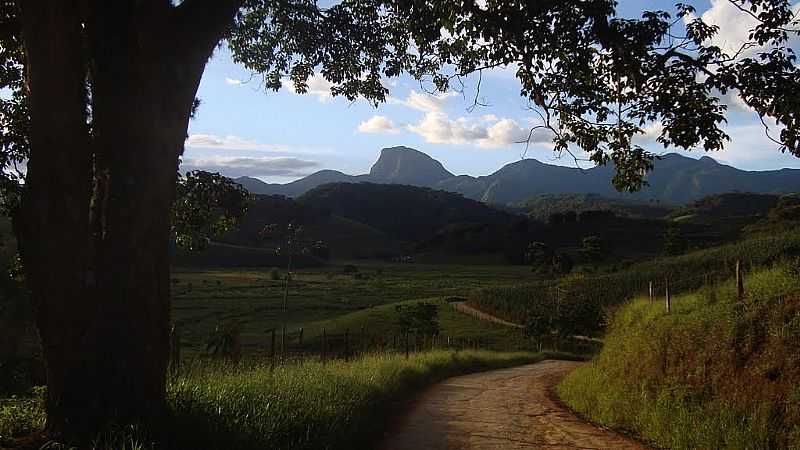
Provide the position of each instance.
(715, 373)
(336, 405)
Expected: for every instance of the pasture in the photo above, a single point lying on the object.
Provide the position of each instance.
(327, 297)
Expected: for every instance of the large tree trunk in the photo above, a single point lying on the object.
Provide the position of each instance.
(97, 207)
(54, 224)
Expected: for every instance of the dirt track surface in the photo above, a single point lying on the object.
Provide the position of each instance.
(499, 410)
(469, 310)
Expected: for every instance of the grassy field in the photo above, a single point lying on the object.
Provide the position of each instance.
(327, 297)
(339, 405)
(716, 373)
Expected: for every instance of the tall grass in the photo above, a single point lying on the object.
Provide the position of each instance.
(338, 405)
(716, 373)
(686, 273)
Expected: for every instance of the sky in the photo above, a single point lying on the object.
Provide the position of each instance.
(243, 130)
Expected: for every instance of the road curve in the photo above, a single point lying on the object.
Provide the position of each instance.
(505, 409)
(477, 313)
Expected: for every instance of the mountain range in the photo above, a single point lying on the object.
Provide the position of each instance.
(676, 179)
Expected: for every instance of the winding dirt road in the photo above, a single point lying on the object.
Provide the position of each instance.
(505, 409)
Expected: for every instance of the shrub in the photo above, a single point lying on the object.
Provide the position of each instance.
(274, 274)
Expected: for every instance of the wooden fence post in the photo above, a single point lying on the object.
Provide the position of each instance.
(300, 339)
(667, 298)
(175, 348)
(272, 350)
(363, 340)
(650, 290)
(406, 344)
(324, 345)
(283, 343)
(739, 280)
(346, 344)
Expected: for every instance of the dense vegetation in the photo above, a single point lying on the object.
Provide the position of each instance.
(423, 210)
(338, 405)
(716, 373)
(542, 206)
(685, 272)
(360, 221)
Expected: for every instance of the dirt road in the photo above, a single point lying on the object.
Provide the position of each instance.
(499, 410)
(470, 311)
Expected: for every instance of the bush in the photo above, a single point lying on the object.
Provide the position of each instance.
(349, 269)
(274, 274)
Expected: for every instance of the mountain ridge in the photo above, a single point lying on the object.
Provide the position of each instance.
(677, 179)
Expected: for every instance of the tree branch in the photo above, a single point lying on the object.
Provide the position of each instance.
(201, 24)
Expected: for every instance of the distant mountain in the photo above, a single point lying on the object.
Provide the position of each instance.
(403, 165)
(676, 180)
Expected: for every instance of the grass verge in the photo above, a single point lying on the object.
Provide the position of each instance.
(716, 373)
(337, 405)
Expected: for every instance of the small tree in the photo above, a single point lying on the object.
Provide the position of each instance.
(562, 264)
(421, 318)
(539, 254)
(674, 242)
(537, 322)
(593, 248)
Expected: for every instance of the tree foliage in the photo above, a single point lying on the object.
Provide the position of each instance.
(594, 79)
(14, 118)
(421, 318)
(207, 205)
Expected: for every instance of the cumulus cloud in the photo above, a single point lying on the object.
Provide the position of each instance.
(734, 26)
(229, 142)
(233, 81)
(378, 124)
(237, 166)
(750, 149)
(437, 128)
(318, 86)
(423, 101)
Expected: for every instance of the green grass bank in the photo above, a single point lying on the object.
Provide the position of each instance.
(686, 273)
(715, 373)
(338, 405)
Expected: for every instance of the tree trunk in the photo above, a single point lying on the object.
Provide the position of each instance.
(54, 221)
(97, 207)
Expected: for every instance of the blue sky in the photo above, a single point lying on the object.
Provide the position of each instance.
(243, 130)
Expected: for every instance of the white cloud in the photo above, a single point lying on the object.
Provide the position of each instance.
(423, 101)
(490, 118)
(378, 124)
(233, 81)
(318, 86)
(437, 128)
(230, 143)
(237, 166)
(734, 26)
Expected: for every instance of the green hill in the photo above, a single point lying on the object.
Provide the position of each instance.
(407, 212)
(715, 373)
